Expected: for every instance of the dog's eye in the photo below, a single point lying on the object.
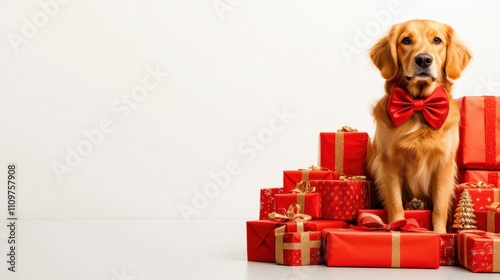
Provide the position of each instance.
(437, 41)
(406, 40)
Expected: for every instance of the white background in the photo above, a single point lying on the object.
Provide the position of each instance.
(233, 66)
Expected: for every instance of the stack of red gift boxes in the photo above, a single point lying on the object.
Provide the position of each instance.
(330, 214)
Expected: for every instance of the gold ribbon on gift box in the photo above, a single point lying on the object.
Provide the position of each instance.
(301, 189)
(478, 185)
(339, 147)
(495, 250)
(305, 244)
(352, 178)
(305, 172)
(493, 209)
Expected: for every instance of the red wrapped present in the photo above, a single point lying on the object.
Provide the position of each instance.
(384, 248)
(479, 251)
(423, 217)
(489, 219)
(303, 195)
(482, 194)
(267, 201)
(261, 233)
(292, 177)
(479, 132)
(448, 247)
(344, 152)
(341, 199)
(488, 176)
(297, 248)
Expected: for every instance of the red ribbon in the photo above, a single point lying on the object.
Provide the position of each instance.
(435, 107)
(372, 222)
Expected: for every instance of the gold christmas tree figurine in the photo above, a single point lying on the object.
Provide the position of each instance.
(464, 214)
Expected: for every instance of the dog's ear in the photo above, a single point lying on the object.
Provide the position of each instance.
(385, 55)
(457, 55)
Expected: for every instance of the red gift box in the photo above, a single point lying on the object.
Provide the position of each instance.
(481, 196)
(423, 217)
(261, 235)
(310, 203)
(479, 132)
(344, 152)
(341, 199)
(488, 220)
(298, 248)
(448, 247)
(267, 201)
(349, 247)
(487, 176)
(479, 251)
(292, 178)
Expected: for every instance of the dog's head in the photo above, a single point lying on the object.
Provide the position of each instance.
(420, 54)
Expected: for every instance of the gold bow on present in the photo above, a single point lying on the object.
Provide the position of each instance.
(293, 214)
(478, 185)
(346, 128)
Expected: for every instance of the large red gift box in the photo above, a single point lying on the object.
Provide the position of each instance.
(341, 199)
(479, 251)
(261, 235)
(479, 132)
(349, 247)
(298, 248)
(487, 176)
(267, 201)
(423, 217)
(448, 247)
(292, 177)
(310, 203)
(344, 152)
(481, 196)
(488, 220)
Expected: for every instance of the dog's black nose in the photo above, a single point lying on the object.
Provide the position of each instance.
(423, 60)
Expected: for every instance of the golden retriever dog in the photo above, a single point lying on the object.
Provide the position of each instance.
(416, 138)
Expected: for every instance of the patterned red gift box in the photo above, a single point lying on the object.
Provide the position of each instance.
(479, 251)
(310, 203)
(488, 220)
(479, 132)
(267, 201)
(341, 199)
(481, 196)
(298, 248)
(261, 235)
(448, 247)
(487, 176)
(292, 177)
(349, 247)
(344, 152)
(423, 217)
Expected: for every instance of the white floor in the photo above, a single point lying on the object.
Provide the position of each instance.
(166, 249)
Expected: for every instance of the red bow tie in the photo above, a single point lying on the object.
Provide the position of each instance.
(434, 107)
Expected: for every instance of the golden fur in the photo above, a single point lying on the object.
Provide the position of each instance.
(415, 160)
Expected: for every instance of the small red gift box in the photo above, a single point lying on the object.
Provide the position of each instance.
(267, 201)
(479, 251)
(487, 176)
(349, 247)
(423, 217)
(310, 203)
(292, 177)
(261, 235)
(481, 196)
(298, 248)
(488, 220)
(344, 152)
(341, 199)
(448, 247)
(479, 132)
